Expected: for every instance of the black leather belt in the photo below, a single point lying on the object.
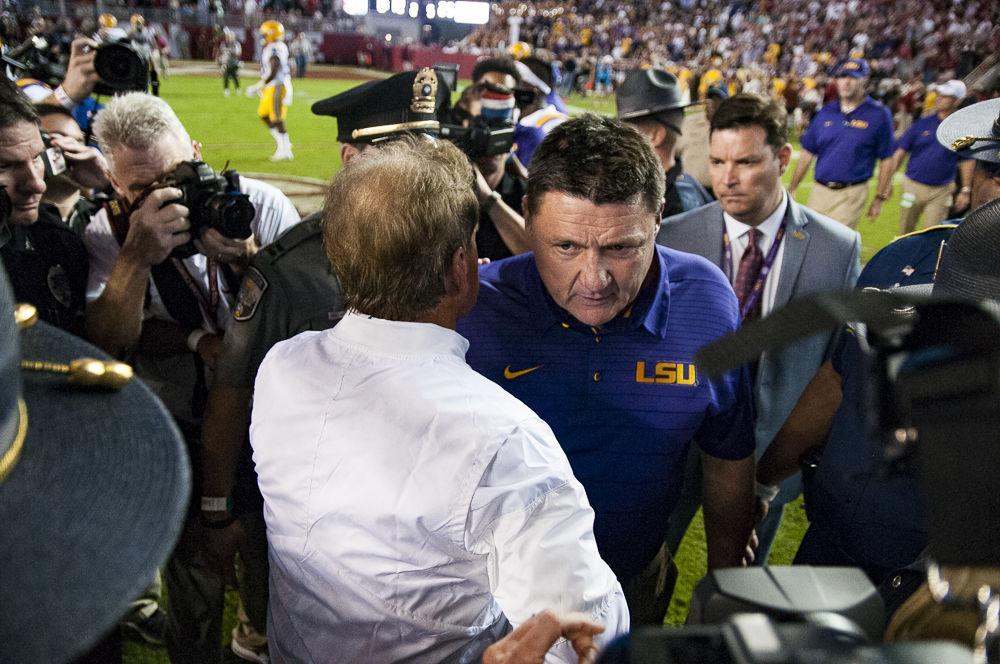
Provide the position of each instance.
(841, 185)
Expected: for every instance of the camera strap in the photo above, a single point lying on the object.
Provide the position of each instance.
(183, 299)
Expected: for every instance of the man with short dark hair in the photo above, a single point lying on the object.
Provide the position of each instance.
(415, 511)
(597, 330)
(846, 137)
(772, 250)
(46, 262)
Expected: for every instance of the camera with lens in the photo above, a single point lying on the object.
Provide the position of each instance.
(480, 138)
(480, 135)
(213, 201)
(122, 67)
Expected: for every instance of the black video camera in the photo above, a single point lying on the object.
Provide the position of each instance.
(213, 201)
(480, 139)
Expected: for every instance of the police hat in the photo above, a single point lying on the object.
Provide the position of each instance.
(646, 92)
(94, 484)
(376, 110)
(973, 132)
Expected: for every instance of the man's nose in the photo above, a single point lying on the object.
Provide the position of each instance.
(595, 276)
(34, 181)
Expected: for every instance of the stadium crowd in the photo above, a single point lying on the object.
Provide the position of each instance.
(456, 415)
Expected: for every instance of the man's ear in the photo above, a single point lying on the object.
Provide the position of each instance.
(659, 135)
(785, 156)
(458, 272)
(348, 152)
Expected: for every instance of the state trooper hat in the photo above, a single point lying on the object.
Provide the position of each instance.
(94, 484)
(376, 110)
(973, 132)
(970, 267)
(646, 92)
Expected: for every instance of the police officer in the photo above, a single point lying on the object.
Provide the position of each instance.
(289, 287)
(846, 138)
(931, 170)
(650, 100)
(46, 261)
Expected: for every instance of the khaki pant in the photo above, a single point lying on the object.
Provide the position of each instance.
(845, 205)
(932, 201)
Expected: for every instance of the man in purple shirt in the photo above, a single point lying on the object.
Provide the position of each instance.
(931, 170)
(846, 138)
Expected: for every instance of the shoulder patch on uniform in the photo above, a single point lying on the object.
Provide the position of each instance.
(930, 229)
(251, 290)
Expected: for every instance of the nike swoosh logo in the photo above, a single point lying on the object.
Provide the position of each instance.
(511, 375)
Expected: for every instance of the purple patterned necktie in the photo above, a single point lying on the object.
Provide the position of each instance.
(750, 264)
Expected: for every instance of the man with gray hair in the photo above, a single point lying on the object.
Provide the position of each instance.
(161, 291)
(415, 510)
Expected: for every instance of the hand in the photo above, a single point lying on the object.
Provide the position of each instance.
(81, 77)
(875, 208)
(222, 249)
(962, 200)
(209, 347)
(531, 640)
(484, 261)
(87, 166)
(750, 553)
(220, 546)
(254, 90)
(157, 228)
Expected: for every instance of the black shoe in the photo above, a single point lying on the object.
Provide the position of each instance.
(152, 630)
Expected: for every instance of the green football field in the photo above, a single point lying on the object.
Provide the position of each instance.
(230, 132)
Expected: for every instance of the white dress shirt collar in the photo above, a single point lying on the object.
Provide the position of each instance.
(768, 227)
(399, 338)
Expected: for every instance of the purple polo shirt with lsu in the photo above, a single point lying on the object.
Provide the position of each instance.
(847, 145)
(930, 162)
(625, 400)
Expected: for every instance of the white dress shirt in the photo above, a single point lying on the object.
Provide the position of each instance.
(740, 238)
(412, 504)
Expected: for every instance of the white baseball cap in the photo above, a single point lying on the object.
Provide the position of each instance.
(953, 88)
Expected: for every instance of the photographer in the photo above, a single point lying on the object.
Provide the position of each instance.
(175, 333)
(500, 178)
(47, 263)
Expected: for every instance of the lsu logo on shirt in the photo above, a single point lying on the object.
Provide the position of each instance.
(666, 373)
(858, 124)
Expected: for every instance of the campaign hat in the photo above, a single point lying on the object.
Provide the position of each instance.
(648, 92)
(94, 487)
(973, 132)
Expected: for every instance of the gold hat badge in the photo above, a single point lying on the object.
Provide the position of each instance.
(84, 371)
(425, 86)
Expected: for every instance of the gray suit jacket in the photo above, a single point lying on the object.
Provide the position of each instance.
(820, 254)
